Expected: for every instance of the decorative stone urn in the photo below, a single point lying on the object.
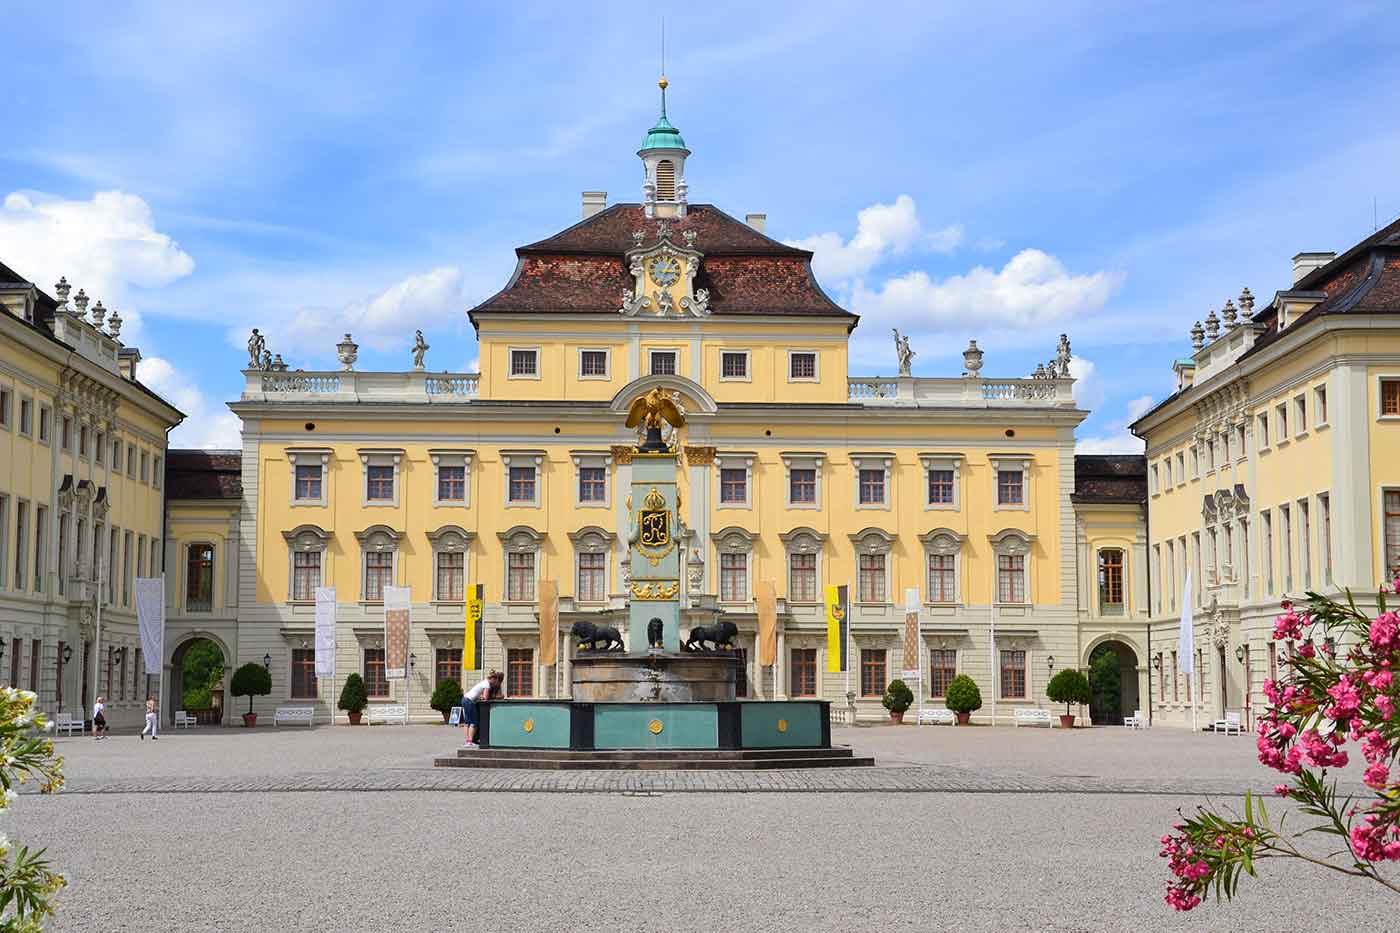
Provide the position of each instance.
(972, 358)
(348, 351)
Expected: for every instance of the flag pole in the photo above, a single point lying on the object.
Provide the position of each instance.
(160, 684)
(96, 649)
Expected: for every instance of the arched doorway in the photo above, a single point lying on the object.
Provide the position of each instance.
(1113, 682)
(197, 671)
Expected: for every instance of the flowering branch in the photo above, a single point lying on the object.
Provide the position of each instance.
(27, 885)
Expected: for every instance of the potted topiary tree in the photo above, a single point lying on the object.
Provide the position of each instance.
(963, 698)
(447, 694)
(898, 698)
(354, 698)
(1069, 686)
(250, 680)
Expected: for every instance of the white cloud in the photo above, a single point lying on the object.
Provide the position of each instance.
(1117, 439)
(882, 230)
(206, 425)
(106, 246)
(1088, 388)
(383, 321)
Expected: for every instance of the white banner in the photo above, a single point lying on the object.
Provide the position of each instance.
(325, 631)
(1186, 636)
(396, 615)
(150, 619)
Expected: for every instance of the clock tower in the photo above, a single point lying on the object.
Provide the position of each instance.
(663, 154)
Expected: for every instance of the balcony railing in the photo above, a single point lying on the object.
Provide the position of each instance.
(354, 386)
(965, 391)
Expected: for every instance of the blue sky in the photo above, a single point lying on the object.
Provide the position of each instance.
(1004, 172)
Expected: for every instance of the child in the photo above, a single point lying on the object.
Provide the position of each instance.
(99, 719)
(488, 689)
(151, 720)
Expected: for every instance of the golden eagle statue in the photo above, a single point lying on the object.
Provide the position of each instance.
(649, 411)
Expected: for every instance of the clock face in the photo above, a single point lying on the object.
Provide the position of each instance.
(664, 271)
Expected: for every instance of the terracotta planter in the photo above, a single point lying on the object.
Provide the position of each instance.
(897, 718)
(1066, 722)
(250, 720)
(355, 717)
(964, 718)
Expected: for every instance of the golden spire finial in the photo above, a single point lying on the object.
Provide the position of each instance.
(663, 83)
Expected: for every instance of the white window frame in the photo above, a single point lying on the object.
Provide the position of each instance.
(375, 539)
(1303, 511)
(510, 363)
(591, 459)
(1011, 462)
(748, 364)
(734, 540)
(873, 461)
(1324, 534)
(131, 461)
(7, 404)
(943, 542)
(1195, 462)
(734, 461)
(675, 353)
(520, 539)
(1181, 467)
(592, 539)
(1320, 412)
(99, 451)
(607, 364)
(452, 457)
(157, 473)
(4, 541)
(379, 457)
(451, 539)
(303, 538)
(803, 540)
(20, 418)
(816, 364)
(65, 434)
(1261, 433)
(799, 460)
(1281, 424)
(943, 461)
(308, 456)
(874, 541)
(1300, 416)
(1012, 542)
(522, 458)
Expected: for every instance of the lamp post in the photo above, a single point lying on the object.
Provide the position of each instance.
(1239, 654)
(67, 653)
(1050, 663)
(267, 661)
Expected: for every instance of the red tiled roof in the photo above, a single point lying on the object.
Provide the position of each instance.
(583, 268)
(204, 474)
(1110, 479)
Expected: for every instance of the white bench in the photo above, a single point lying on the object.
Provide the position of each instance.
(387, 712)
(1031, 717)
(937, 717)
(185, 719)
(1231, 723)
(293, 714)
(68, 722)
(1135, 721)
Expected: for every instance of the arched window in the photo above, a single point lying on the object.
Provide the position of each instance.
(665, 180)
(199, 577)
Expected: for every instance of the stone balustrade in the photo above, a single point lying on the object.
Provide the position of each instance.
(966, 391)
(288, 385)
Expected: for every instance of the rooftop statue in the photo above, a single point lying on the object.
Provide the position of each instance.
(906, 355)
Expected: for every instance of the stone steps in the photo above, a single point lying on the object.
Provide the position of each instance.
(658, 760)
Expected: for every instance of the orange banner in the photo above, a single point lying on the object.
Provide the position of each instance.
(549, 622)
(765, 593)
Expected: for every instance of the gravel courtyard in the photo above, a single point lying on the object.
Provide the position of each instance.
(339, 828)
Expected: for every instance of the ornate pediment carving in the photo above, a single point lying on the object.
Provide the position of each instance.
(663, 276)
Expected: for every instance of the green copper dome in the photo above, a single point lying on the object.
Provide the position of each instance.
(663, 135)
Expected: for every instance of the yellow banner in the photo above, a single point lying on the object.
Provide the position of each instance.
(837, 629)
(765, 594)
(549, 622)
(473, 647)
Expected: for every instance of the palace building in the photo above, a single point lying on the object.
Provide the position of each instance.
(1271, 471)
(961, 491)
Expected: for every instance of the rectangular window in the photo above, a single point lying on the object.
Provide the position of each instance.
(145, 467)
(1195, 462)
(1011, 578)
(802, 366)
(66, 434)
(1011, 488)
(379, 573)
(522, 484)
(451, 576)
(741, 673)
(26, 416)
(520, 672)
(131, 460)
(83, 441)
(379, 483)
(592, 484)
(1273, 662)
(16, 653)
(6, 401)
(520, 576)
(1390, 397)
(734, 365)
(306, 575)
(1210, 455)
(734, 485)
(734, 578)
(21, 546)
(802, 577)
(1111, 581)
(1170, 580)
(308, 481)
(872, 672)
(111, 593)
(940, 487)
(1013, 674)
(35, 648)
(41, 525)
(1305, 543)
(137, 672)
(592, 577)
(45, 418)
(942, 668)
(99, 448)
(524, 362)
(593, 363)
(1285, 531)
(199, 578)
(303, 673)
(452, 484)
(1300, 414)
(111, 657)
(376, 683)
(942, 579)
(1392, 533)
(1281, 421)
(804, 672)
(663, 362)
(1324, 532)
(1180, 468)
(1320, 405)
(447, 665)
(1176, 690)
(1267, 545)
(872, 487)
(802, 486)
(116, 456)
(4, 540)
(140, 556)
(872, 578)
(58, 674)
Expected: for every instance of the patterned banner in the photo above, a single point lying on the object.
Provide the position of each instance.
(765, 594)
(396, 614)
(325, 632)
(911, 632)
(838, 628)
(150, 619)
(473, 639)
(549, 623)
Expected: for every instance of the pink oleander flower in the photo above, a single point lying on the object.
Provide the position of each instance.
(1385, 705)
(1306, 650)
(1377, 776)
(1281, 790)
(1385, 631)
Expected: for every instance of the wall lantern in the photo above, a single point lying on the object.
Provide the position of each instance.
(267, 661)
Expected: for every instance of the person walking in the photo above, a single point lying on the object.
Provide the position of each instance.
(99, 719)
(151, 720)
(488, 689)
